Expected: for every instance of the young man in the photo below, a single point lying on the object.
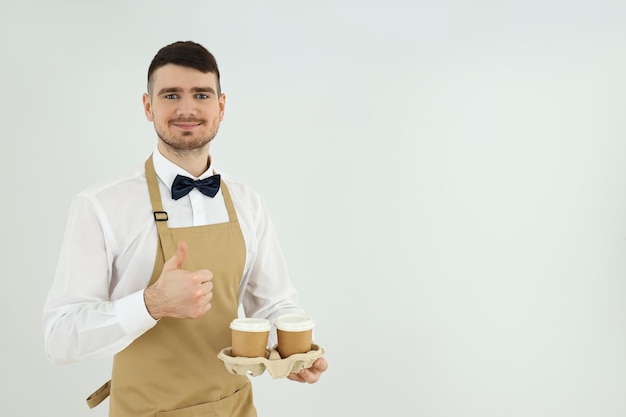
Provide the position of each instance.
(155, 264)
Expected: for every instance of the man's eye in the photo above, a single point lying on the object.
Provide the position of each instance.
(202, 96)
(171, 96)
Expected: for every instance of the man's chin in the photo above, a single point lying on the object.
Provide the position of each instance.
(183, 145)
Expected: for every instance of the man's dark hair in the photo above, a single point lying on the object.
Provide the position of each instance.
(187, 54)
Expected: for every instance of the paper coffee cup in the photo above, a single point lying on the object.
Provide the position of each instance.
(294, 333)
(249, 337)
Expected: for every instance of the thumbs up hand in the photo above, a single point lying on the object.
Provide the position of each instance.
(179, 293)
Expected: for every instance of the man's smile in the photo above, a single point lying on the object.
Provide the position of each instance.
(187, 125)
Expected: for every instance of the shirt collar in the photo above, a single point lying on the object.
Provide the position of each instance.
(166, 170)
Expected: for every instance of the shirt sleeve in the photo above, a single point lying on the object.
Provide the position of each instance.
(79, 318)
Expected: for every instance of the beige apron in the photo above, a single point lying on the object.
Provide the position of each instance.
(172, 370)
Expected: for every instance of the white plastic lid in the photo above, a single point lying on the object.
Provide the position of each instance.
(294, 322)
(251, 325)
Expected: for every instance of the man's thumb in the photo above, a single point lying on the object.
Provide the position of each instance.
(176, 261)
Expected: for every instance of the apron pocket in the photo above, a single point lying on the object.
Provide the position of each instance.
(239, 404)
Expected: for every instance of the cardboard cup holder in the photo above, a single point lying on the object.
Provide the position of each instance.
(275, 365)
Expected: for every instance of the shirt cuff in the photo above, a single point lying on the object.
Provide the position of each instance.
(133, 316)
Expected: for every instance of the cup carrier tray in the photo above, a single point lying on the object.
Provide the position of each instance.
(275, 365)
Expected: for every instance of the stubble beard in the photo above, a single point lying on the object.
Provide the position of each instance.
(182, 146)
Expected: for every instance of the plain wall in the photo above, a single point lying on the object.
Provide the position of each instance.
(447, 178)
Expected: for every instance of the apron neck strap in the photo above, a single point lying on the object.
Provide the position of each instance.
(160, 216)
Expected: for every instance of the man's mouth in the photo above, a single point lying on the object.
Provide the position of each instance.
(186, 125)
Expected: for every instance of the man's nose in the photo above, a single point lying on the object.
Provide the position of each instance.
(186, 106)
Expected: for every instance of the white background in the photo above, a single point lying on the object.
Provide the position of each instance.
(447, 178)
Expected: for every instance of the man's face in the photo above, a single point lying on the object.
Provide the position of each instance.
(185, 107)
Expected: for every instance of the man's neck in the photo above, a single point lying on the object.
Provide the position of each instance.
(194, 161)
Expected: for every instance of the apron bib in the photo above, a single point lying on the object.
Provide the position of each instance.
(173, 370)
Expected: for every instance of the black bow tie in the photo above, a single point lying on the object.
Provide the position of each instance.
(183, 185)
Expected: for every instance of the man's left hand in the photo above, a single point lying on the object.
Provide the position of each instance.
(310, 375)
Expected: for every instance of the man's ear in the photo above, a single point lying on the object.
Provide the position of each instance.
(222, 102)
(147, 107)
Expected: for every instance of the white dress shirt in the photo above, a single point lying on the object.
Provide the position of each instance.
(95, 307)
